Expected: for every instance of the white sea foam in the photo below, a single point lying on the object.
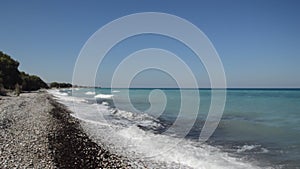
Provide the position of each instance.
(57, 92)
(264, 150)
(132, 116)
(115, 91)
(155, 150)
(64, 97)
(105, 103)
(140, 119)
(246, 148)
(104, 96)
(90, 93)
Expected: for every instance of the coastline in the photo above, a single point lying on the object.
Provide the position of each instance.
(38, 132)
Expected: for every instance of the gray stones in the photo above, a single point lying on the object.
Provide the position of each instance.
(24, 125)
(37, 132)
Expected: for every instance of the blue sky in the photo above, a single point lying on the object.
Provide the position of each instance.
(257, 41)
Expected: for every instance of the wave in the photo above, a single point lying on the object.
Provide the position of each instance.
(90, 93)
(161, 151)
(115, 91)
(120, 132)
(105, 103)
(141, 120)
(103, 96)
(64, 97)
(57, 92)
(247, 148)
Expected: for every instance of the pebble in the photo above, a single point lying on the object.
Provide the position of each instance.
(38, 132)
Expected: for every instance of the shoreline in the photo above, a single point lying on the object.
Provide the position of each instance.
(39, 132)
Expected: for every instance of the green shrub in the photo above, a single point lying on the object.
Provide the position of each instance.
(11, 77)
(9, 72)
(60, 85)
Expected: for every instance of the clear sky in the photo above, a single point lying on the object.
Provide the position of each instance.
(257, 41)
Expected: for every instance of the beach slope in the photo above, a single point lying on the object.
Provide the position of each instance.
(38, 132)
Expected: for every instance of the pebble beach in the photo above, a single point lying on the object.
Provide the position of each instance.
(38, 132)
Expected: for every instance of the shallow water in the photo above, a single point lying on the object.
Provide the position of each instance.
(259, 128)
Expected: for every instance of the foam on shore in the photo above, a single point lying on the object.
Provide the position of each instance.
(118, 130)
(104, 96)
(90, 93)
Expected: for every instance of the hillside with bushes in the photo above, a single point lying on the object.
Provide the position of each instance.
(12, 79)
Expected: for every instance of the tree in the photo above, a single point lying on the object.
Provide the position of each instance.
(32, 82)
(60, 85)
(9, 73)
(11, 77)
(2, 90)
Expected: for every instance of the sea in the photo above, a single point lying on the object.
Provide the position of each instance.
(259, 128)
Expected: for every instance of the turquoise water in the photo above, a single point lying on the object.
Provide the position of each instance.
(260, 126)
(269, 119)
